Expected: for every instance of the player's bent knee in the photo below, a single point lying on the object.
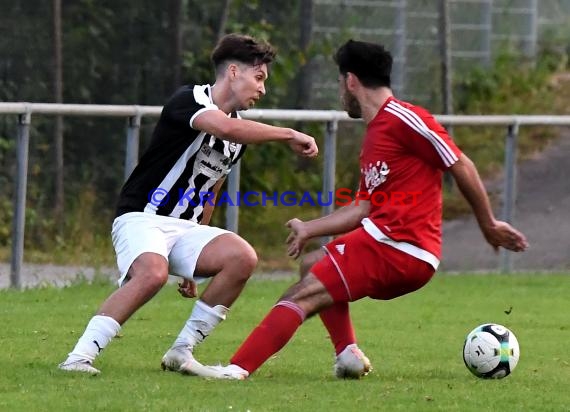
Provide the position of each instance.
(149, 269)
(149, 280)
(155, 279)
(244, 258)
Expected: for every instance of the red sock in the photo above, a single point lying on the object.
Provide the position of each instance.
(269, 336)
(336, 319)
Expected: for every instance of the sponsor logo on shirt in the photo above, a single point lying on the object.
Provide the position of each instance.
(212, 163)
(375, 175)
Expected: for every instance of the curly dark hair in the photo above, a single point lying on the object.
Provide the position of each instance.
(244, 49)
(370, 62)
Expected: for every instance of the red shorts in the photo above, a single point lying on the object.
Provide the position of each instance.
(357, 266)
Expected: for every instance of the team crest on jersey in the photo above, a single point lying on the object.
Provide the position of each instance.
(375, 175)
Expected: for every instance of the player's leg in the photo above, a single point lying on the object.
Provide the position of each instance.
(141, 251)
(230, 260)
(313, 293)
(323, 286)
(308, 260)
(303, 299)
(346, 275)
(350, 361)
(336, 318)
(147, 275)
(393, 274)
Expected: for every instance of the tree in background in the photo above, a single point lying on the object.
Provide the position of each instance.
(139, 52)
(129, 52)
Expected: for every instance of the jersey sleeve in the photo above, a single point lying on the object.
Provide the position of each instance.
(427, 139)
(189, 103)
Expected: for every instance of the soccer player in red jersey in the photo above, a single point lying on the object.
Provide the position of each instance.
(387, 249)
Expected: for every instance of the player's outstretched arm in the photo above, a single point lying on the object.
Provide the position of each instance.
(244, 131)
(340, 221)
(496, 232)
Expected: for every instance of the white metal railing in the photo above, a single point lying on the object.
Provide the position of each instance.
(134, 113)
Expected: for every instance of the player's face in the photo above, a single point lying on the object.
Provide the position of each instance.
(249, 85)
(347, 99)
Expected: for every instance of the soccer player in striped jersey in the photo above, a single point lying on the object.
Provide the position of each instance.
(164, 208)
(390, 242)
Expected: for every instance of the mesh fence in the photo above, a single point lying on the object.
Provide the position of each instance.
(413, 29)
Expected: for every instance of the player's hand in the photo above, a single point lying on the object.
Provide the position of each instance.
(297, 238)
(188, 289)
(502, 234)
(304, 145)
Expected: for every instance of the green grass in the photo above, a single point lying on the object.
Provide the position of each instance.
(413, 342)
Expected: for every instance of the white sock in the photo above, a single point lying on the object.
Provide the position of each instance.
(98, 333)
(200, 324)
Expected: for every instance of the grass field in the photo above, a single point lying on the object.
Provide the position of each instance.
(413, 342)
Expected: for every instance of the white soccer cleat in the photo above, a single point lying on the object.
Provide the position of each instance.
(176, 358)
(233, 372)
(82, 365)
(351, 363)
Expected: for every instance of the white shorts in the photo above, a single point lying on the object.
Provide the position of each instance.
(179, 241)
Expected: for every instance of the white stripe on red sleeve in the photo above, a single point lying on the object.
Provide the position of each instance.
(416, 123)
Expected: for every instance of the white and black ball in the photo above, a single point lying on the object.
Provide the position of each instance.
(491, 351)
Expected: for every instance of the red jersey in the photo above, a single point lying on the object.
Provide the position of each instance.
(403, 155)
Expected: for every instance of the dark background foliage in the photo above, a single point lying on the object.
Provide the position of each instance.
(138, 52)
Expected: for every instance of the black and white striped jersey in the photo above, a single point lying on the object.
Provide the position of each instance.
(181, 164)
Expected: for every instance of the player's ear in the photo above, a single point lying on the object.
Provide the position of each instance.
(232, 70)
(351, 81)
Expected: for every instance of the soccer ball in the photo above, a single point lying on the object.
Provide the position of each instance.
(491, 351)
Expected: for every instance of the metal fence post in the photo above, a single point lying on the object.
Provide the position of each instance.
(487, 35)
(446, 72)
(532, 36)
(19, 219)
(400, 35)
(509, 190)
(132, 148)
(329, 169)
(232, 212)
